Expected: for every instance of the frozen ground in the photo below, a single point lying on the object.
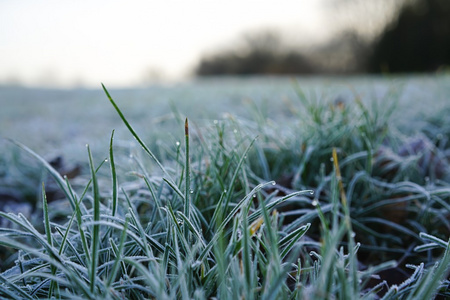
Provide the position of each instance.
(61, 122)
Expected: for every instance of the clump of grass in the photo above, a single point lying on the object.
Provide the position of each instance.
(392, 195)
(214, 225)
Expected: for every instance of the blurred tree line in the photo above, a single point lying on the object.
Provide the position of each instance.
(416, 39)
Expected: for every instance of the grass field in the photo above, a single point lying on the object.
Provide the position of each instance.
(257, 188)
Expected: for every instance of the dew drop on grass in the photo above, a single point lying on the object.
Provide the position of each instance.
(315, 202)
(106, 160)
(311, 192)
(225, 191)
(177, 143)
(331, 159)
(235, 131)
(274, 183)
(215, 122)
(191, 191)
(254, 196)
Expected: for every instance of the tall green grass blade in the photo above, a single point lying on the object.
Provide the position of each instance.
(138, 139)
(95, 244)
(113, 175)
(246, 257)
(48, 233)
(347, 221)
(187, 194)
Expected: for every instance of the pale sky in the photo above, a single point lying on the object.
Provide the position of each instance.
(79, 42)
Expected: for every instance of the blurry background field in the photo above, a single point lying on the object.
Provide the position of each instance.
(60, 122)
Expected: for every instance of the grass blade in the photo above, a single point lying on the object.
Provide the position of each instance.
(138, 139)
(113, 175)
(56, 176)
(290, 240)
(235, 174)
(230, 216)
(187, 168)
(96, 227)
(118, 254)
(48, 233)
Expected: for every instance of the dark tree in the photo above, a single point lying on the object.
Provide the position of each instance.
(417, 41)
(260, 53)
